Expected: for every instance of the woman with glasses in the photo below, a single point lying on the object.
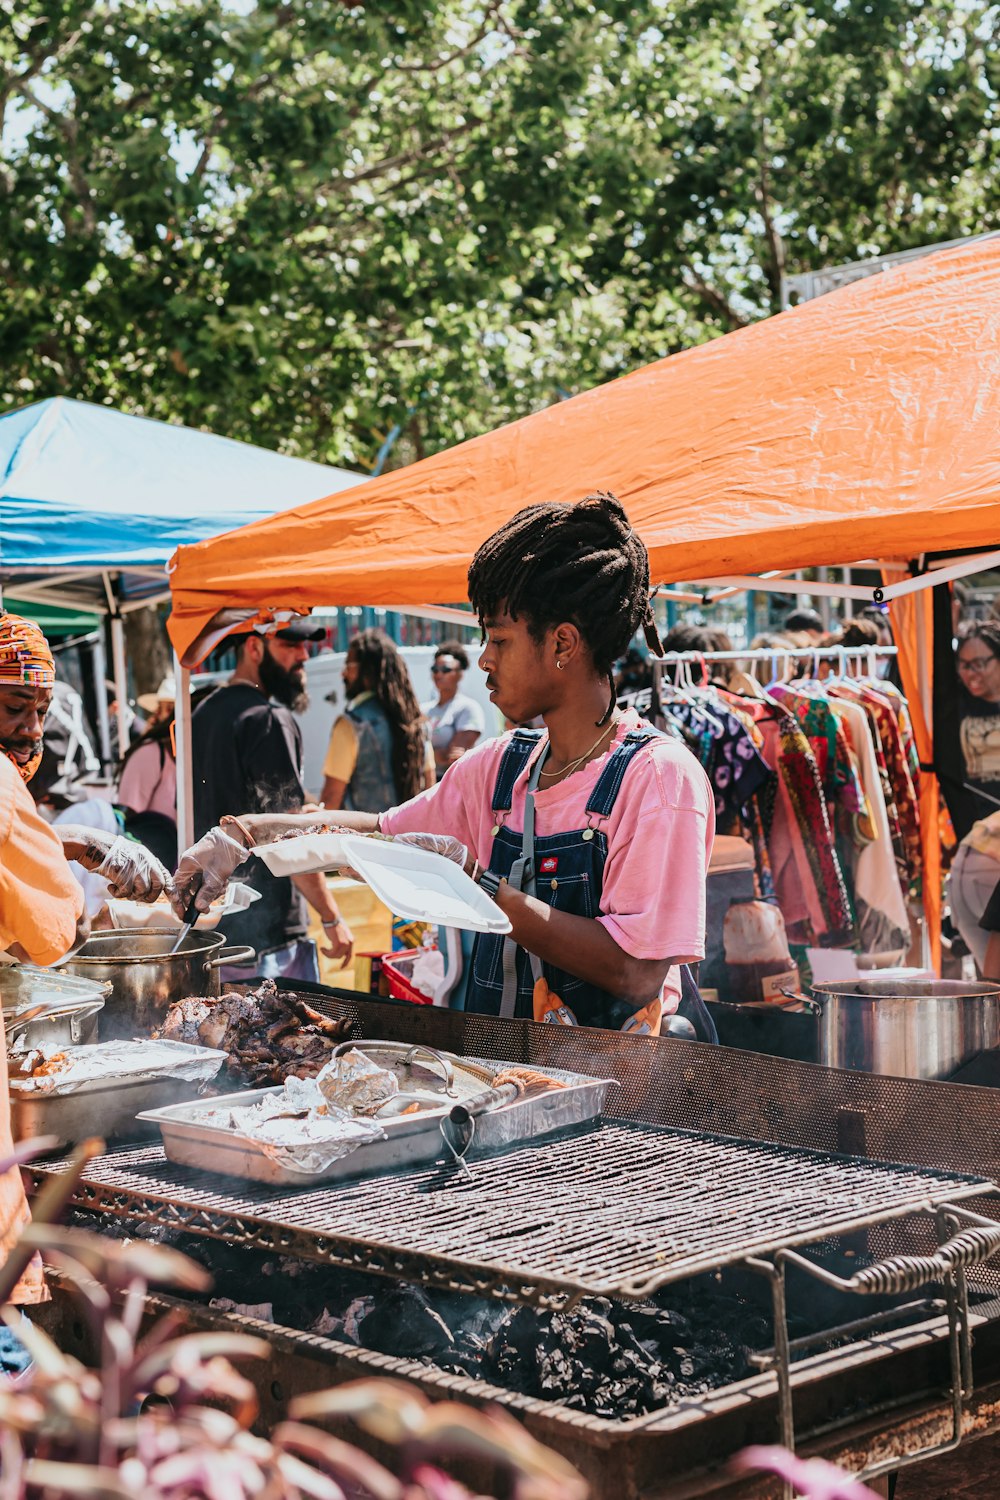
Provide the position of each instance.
(456, 722)
(975, 870)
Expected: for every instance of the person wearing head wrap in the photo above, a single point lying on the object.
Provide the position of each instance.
(42, 913)
(41, 905)
(27, 677)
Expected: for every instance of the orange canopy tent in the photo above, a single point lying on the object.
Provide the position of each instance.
(865, 424)
(862, 425)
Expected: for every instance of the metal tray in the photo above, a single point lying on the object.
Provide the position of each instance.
(410, 1140)
(110, 1107)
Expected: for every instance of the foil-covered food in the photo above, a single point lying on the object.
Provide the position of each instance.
(354, 1083)
(296, 1126)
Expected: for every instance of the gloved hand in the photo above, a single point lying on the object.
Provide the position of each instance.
(131, 870)
(436, 843)
(204, 871)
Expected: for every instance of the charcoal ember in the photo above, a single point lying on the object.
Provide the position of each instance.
(404, 1323)
(576, 1358)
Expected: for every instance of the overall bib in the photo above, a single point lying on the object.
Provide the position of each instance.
(566, 870)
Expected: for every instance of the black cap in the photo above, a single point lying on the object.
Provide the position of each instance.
(302, 629)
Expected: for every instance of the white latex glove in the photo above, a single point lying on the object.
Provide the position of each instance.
(204, 871)
(436, 843)
(132, 871)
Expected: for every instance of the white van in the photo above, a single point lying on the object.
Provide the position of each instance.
(324, 675)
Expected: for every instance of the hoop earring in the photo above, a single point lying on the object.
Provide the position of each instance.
(560, 664)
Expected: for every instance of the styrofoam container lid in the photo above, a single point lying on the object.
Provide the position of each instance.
(140, 914)
(421, 886)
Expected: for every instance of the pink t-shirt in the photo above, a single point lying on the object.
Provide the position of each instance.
(149, 781)
(659, 833)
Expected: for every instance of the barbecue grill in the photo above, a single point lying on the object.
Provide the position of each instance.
(622, 1210)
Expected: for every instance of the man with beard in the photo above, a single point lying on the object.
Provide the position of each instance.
(247, 754)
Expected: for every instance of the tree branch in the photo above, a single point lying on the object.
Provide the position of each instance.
(492, 13)
(407, 158)
(67, 129)
(716, 300)
(762, 192)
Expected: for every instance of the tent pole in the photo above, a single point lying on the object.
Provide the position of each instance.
(101, 699)
(120, 671)
(927, 705)
(182, 746)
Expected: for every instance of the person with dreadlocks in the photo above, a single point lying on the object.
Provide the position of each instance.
(593, 835)
(377, 754)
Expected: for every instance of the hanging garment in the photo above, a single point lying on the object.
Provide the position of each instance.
(808, 880)
(812, 707)
(900, 778)
(724, 745)
(851, 691)
(877, 886)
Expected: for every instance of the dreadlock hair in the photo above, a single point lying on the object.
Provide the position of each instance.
(579, 563)
(384, 672)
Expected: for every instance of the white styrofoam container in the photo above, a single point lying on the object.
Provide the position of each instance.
(421, 886)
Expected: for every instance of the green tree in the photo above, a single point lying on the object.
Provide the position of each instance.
(317, 226)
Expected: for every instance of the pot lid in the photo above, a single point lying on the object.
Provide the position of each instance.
(23, 986)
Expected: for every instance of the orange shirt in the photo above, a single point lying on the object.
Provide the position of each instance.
(39, 906)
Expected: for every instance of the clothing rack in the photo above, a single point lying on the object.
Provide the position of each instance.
(840, 654)
(779, 653)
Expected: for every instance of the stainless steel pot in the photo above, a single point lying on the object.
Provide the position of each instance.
(146, 977)
(906, 1028)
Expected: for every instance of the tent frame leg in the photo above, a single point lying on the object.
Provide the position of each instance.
(120, 671)
(182, 750)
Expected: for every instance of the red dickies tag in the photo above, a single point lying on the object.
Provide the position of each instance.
(549, 866)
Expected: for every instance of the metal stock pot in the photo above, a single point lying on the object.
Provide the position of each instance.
(146, 977)
(907, 1028)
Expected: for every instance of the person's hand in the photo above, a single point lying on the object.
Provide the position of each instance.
(204, 871)
(340, 939)
(436, 843)
(132, 871)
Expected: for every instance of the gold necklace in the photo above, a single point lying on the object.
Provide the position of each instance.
(571, 765)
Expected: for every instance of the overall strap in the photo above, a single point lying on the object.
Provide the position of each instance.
(512, 763)
(521, 875)
(602, 798)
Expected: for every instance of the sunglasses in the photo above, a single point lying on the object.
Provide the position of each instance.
(443, 671)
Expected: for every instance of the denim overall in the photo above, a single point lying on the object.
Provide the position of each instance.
(566, 870)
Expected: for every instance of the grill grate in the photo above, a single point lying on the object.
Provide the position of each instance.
(615, 1211)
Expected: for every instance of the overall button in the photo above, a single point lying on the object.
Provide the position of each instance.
(494, 830)
(588, 834)
(554, 884)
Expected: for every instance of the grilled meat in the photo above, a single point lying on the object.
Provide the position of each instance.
(269, 1035)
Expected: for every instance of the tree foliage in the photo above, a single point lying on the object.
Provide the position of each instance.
(313, 226)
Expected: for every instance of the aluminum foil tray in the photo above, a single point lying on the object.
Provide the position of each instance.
(410, 1140)
(109, 1103)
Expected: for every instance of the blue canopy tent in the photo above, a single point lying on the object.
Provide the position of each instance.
(93, 502)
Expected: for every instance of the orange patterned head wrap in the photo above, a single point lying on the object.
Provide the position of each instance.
(25, 661)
